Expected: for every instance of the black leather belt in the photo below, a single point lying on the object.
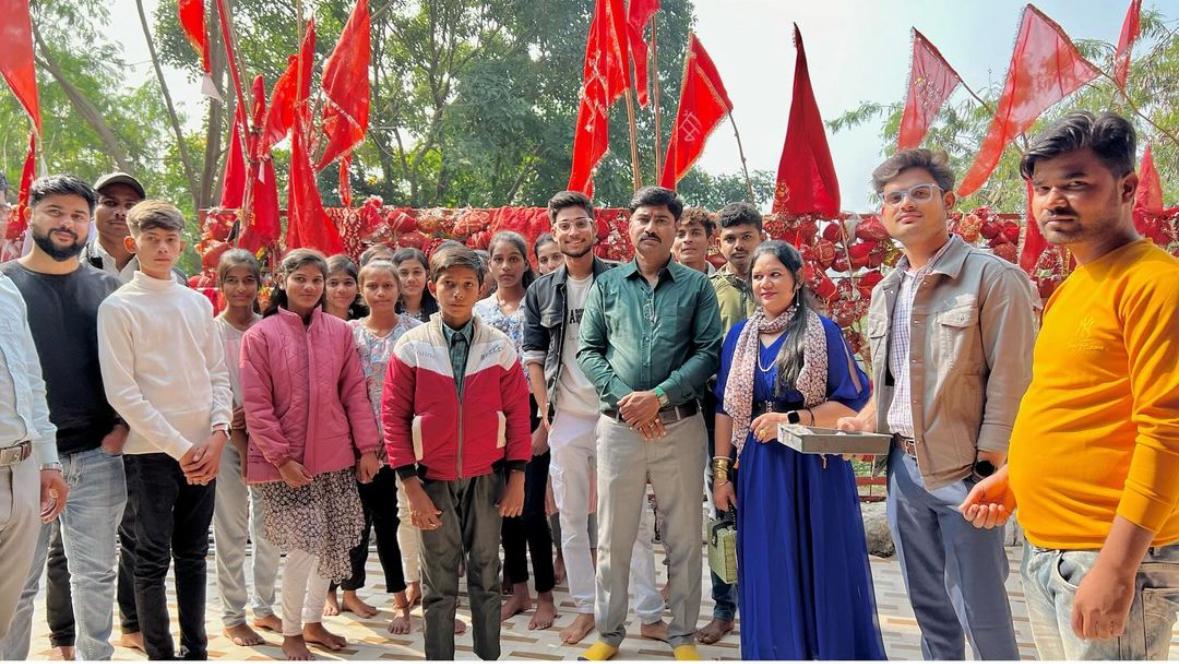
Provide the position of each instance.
(666, 415)
(14, 454)
(908, 445)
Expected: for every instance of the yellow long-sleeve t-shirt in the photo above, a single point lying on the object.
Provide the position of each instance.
(1097, 433)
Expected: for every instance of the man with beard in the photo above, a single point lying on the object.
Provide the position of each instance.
(62, 297)
(117, 194)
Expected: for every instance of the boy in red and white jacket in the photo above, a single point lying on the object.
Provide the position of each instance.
(462, 381)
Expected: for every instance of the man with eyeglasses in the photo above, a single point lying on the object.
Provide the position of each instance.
(951, 331)
(568, 406)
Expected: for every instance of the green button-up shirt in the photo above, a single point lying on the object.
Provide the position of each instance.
(636, 338)
(459, 342)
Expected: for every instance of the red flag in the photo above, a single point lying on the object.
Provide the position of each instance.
(16, 56)
(345, 183)
(307, 223)
(1149, 196)
(1045, 68)
(19, 221)
(1034, 243)
(703, 104)
(233, 180)
(346, 87)
(639, 12)
(262, 226)
(1130, 30)
(806, 176)
(931, 81)
(290, 91)
(604, 80)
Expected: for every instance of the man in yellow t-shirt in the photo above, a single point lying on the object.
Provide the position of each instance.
(1094, 458)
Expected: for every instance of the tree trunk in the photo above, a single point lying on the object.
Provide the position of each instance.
(211, 174)
(189, 173)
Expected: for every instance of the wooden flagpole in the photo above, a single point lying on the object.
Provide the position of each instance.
(744, 166)
(653, 75)
(634, 146)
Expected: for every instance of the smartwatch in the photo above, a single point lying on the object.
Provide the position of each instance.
(793, 417)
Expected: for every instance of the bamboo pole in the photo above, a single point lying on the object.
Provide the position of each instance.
(634, 146)
(744, 166)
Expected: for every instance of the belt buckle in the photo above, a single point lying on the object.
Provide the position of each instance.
(10, 456)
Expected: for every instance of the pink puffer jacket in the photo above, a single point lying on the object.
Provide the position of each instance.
(304, 396)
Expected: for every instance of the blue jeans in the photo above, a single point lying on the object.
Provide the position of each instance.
(98, 493)
(954, 572)
(1050, 580)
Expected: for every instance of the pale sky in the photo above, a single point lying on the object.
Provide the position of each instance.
(857, 50)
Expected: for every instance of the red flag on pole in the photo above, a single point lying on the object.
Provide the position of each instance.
(639, 12)
(806, 175)
(931, 81)
(604, 80)
(307, 223)
(1045, 68)
(192, 21)
(1148, 200)
(703, 105)
(262, 226)
(1130, 30)
(19, 219)
(346, 87)
(233, 179)
(290, 91)
(1034, 243)
(16, 56)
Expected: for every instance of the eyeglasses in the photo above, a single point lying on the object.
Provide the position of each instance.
(918, 193)
(581, 224)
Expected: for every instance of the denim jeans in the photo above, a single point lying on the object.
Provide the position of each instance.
(98, 492)
(1050, 580)
(172, 520)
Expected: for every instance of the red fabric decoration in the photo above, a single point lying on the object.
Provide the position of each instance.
(307, 223)
(263, 226)
(604, 80)
(19, 220)
(931, 81)
(703, 105)
(192, 20)
(1148, 200)
(1034, 243)
(346, 87)
(639, 12)
(1045, 68)
(345, 183)
(1130, 31)
(233, 187)
(806, 175)
(230, 55)
(290, 91)
(16, 56)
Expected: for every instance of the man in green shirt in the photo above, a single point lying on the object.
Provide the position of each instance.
(650, 340)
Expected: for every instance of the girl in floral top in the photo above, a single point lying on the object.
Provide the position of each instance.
(504, 311)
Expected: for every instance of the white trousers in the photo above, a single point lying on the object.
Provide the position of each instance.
(303, 592)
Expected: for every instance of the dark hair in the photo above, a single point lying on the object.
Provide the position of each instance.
(60, 185)
(542, 240)
(1110, 136)
(695, 215)
(405, 254)
(380, 263)
(568, 199)
(657, 196)
(790, 356)
(935, 162)
(235, 258)
(379, 249)
(739, 214)
(521, 245)
(452, 256)
(293, 260)
(342, 263)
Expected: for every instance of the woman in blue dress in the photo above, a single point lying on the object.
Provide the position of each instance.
(804, 584)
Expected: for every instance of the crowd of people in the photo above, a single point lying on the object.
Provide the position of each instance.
(475, 416)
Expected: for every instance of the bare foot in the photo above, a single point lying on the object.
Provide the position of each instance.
(577, 630)
(66, 653)
(331, 607)
(401, 623)
(133, 640)
(353, 603)
(714, 631)
(270, 623)
(460, 627)
(295, 648)
(242, 635)
(413, 593)
(546, 612)
(559, 569)
(315, 632)
(656, 631)
(517, 602)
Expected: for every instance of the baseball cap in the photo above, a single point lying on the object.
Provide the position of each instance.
(120, 178)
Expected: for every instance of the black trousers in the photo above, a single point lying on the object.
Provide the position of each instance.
(530, 532)
(379, 499)
(125, 592)
(171, 525)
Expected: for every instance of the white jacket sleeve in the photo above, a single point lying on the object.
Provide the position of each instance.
(116, 354)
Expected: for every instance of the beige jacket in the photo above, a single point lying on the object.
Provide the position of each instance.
(972, 331)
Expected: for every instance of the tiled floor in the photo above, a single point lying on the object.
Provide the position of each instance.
(368, 639)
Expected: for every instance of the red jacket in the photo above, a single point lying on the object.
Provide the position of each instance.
(304, 396)
(458, 440)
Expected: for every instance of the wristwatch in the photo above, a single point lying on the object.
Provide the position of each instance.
(664, 401)
(793, 417)
(52, 466)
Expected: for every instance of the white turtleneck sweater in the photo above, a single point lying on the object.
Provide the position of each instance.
(163, 365)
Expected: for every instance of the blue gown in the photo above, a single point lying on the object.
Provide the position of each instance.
(803, 579)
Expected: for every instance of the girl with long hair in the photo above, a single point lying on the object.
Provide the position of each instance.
(413, 270)
(342, 294)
